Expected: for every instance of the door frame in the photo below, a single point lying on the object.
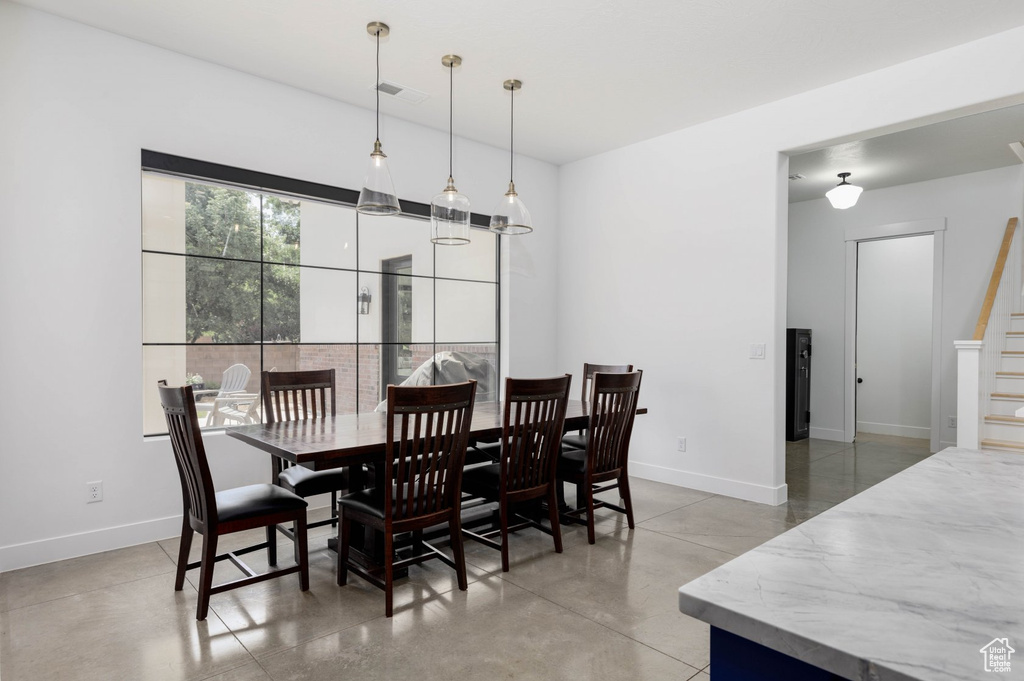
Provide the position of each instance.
(854, 235)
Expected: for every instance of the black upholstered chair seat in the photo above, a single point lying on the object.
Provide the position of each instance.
(572, 461)
(306, 482)
(482, 481)
(252, 501)
(575, 440)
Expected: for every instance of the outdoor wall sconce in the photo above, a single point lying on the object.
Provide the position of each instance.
(364, 300)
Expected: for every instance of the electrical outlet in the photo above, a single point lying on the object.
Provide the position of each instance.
(951, 421)
(682, 444)
(93, 491)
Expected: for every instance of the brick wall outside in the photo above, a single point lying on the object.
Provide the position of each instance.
(210, 360)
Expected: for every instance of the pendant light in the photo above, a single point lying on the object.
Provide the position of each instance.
(510, 215)
(844, 195)
(378, 197)
(449, 210)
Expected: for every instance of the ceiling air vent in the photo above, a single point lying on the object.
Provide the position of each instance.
(406, 94)
(796, 176)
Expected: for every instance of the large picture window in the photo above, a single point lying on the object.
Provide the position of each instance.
(276, 274)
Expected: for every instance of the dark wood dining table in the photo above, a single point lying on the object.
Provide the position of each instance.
(353, 439)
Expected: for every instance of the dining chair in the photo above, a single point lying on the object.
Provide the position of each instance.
(528, 453)
(613, 400)
(303, 396)
(213, 514)
(578, 440)
(420, 485)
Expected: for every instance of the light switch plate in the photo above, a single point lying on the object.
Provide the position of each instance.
(757, 351)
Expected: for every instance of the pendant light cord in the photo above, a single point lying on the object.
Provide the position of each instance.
(512, 137)
(451, 115)
(377, 87)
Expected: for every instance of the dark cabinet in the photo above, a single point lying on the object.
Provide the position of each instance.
(798, 384)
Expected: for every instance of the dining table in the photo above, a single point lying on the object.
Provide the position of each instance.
(356, 439)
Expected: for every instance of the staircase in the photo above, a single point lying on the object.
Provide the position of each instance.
(1003, 429)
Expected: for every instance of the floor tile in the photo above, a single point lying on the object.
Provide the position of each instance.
(651, 499)
(627, 582)
(731, 525)
(20, 588)
(137, 630)
(819, 488)
(249, 672)
(496, 630)
(274, 615)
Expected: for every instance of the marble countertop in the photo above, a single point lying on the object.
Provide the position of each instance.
(907, 580)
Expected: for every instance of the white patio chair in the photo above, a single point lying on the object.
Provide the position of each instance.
(232, 385)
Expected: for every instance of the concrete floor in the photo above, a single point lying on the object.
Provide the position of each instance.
(606, 611)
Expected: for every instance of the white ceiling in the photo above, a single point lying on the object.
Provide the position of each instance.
(954, 147)
(597, 74)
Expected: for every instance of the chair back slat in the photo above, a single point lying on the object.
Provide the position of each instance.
(531, 431)
(198, 496)
(428, 431)
(613, 400)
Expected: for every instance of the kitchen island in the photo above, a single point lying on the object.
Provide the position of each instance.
(910, 579)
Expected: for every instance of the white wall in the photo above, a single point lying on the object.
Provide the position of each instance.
(894, 336)
(976, 207)
(77, 106)
(673, 254)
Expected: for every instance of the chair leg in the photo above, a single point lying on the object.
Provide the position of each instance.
(271, 544)
(302, 549)
(344, 535)
(588, 490)
(458, 550)
(556, 526)
(627, 500)
(206, 574)
(183, 550)
(504, 511)
(295, 544)
(389, 573)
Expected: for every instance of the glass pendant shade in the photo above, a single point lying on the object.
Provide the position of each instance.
(449, 217)
(510, 215)
(844, 195)
(449, 210)
(377, 197)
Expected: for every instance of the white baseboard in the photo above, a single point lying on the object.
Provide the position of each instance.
(828, 434)
(31, 553)
(709, 483)
(42, 551)
(894, 429)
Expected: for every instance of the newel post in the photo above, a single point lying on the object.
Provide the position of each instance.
(968, 393)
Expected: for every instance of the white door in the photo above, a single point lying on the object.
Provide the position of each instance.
(894, 336)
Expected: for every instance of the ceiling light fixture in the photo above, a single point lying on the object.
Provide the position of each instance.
(844, 195)
(449, 210)
(510, 215)
(378, 197)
